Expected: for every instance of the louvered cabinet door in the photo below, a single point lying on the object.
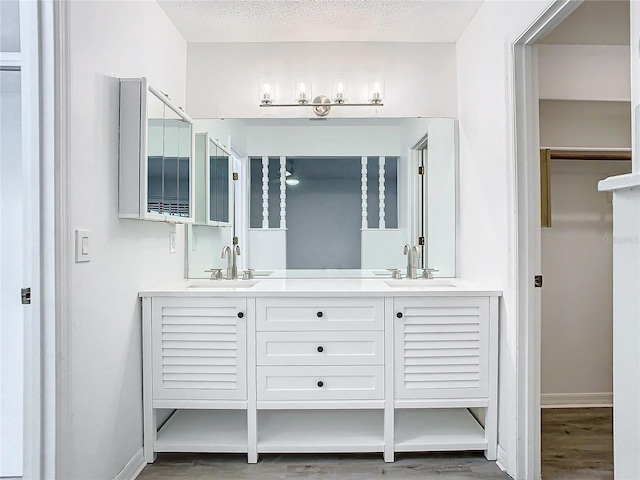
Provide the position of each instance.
(199, 348)
(441, 347)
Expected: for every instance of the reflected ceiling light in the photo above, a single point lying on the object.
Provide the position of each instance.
(292, 179)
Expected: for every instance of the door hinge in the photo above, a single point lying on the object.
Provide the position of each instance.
(421, 170)
(235, 176)
(420, 240)
(26, 296)
(537, 281)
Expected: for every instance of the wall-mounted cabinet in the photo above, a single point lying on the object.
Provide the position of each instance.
(214, 182)
(156, 154)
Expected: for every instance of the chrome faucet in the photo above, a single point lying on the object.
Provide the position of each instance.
(226, 253)
(231, 255)
(413, 254)
(234, 266)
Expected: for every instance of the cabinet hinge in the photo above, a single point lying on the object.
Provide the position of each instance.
(537, 281)
(26, 296)
(421, 170)
(235, 240)
(235, 176)
(420, 240)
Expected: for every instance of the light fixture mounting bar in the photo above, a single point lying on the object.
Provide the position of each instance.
(321, 104)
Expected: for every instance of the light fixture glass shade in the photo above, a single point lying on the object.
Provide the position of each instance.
(292, 180)
(302, 89)
(339, 88)
(376, 88)
(266, 90)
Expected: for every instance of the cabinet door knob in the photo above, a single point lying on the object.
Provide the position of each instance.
(319, 314)
(320, 349)
(399, 314)
(240, 314)
(320, 383)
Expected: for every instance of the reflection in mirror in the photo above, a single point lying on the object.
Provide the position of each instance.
(219, 182)
(168, 151)
(357, 202)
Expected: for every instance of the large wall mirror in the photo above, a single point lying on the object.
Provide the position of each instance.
(341, 196)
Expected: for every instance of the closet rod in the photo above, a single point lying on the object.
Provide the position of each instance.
(559, 155)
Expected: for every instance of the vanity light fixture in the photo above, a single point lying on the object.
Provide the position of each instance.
(291, 177)
(321, 104)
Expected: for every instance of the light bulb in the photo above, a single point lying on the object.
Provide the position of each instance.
(302, 87)
(340, 87)
(266, 94)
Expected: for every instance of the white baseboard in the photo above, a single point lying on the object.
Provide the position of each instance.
(132, 469)
(502, 459)
(576, 400)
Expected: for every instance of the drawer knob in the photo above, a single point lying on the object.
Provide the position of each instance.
(319, 314)
(240, 314)
(320, 349)
(399, 314)
(320, 383)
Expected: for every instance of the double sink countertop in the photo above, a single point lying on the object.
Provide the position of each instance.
(322, 282)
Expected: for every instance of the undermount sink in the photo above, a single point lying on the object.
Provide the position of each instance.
(421, 283)
(211, 284)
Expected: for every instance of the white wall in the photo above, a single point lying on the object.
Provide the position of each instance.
(488, 179)
(585, 124)
(584, 72)
(420, 78)
(577, 265)
(323, 140)
(109, 40)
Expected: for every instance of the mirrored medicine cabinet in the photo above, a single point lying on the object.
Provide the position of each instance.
(339, 197)
(156, 147)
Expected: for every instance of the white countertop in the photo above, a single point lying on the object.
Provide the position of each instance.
(261, 287)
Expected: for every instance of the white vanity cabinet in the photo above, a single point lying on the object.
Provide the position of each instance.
(199, 349)
(267, 372)
(446, 373)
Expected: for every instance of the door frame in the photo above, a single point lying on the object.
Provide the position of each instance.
(526, 141)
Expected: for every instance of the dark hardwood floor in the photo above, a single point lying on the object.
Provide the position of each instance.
(577, 444)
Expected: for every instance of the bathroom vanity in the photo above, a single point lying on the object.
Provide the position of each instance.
(297, 365)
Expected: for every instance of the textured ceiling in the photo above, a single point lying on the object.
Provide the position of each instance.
(602, 22)
(320, 20)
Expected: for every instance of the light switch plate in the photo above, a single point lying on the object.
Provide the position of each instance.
(83, 246)
(172, 242)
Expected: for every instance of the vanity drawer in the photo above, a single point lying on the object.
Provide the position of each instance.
(321, 348)
(318, 313)
(321, 383)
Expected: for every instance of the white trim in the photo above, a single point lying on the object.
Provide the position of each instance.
(502, 461)
(63, 241)
(132, 469)
(32, 236)
(576, 400)
(619, 182)
(48, 236)
(526, 235)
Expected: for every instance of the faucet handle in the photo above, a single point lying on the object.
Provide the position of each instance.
(396, 273)
(216, 273)
(428, 273)
(248, 274)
